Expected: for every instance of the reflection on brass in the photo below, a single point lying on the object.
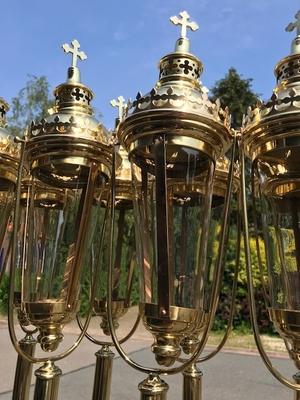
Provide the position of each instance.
(287, 324)
(271, 129)
(192, 383)
(168, 331)
(119, 309)
(153, 388)
(62, 148)
(49, 316)
(9, 150)
(23, 372)
(179, 106)
(47, 381)
(103, 371)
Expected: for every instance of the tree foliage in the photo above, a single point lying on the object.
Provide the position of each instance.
(32, 102)
(235, 93)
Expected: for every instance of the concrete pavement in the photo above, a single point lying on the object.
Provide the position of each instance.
(228, 376)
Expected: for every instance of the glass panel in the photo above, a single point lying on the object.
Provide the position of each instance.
(280, 207)
(174, 222)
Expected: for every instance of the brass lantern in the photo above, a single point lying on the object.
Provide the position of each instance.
(9, 157)
(174, 135)
(69, 158)
(271, 139)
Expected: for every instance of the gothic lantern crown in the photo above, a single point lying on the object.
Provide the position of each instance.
(70, 137)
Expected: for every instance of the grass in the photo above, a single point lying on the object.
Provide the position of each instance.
(238, 340)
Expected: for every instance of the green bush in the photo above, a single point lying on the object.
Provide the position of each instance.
(4, 294)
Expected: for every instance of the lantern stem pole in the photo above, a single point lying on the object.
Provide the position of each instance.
(103, 371)
(47, 381)
(153, 388)
(297, 380)
(24, 369)
(192, 383)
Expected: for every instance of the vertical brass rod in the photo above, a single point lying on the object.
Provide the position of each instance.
(297, 380)
(103, 371)
(47, 382)
(153, 388)
(192, 383)
(118, 253)
(24, 369)
(162, 228)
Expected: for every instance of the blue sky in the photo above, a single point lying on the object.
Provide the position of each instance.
(124, 41)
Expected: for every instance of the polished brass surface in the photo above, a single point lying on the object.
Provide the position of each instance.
(297, 380)
(9, 150)
(103, 371)
(49, 317)
(271, 129)
(47, 381)
(70, 140)
(265, 358)
(153, 388)
(178, 106)
(119, 309)
(168, 331)
(192, 383)
(23, 372)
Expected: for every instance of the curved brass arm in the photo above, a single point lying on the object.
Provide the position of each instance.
(215, 287)
(257, 338)
(233, 295)
(11, 328)
(104, 343)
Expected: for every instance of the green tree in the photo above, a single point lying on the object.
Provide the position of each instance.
(32, 102)
(235, 93)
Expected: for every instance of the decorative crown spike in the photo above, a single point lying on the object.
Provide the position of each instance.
(73, 71)
(75, 52)
(184, 22)
(121, 104)
(295, 25)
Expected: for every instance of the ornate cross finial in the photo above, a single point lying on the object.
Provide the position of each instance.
(75, 52)
(120, 103)
(294, 25)
(184, 22)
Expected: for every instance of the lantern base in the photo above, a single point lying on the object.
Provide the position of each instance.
(118, 310)
(49, 317)
(169, 329)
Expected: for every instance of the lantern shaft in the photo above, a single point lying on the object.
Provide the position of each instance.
(47, 382)
(192, 383)
(23, 370)
(153, 388)
(103, 371)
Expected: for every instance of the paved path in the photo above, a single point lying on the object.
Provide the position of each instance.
(229, 376)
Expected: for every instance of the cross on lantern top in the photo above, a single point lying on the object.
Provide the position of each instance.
(120, 103)
(294, 25)
(184, 22)
(75, 52)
